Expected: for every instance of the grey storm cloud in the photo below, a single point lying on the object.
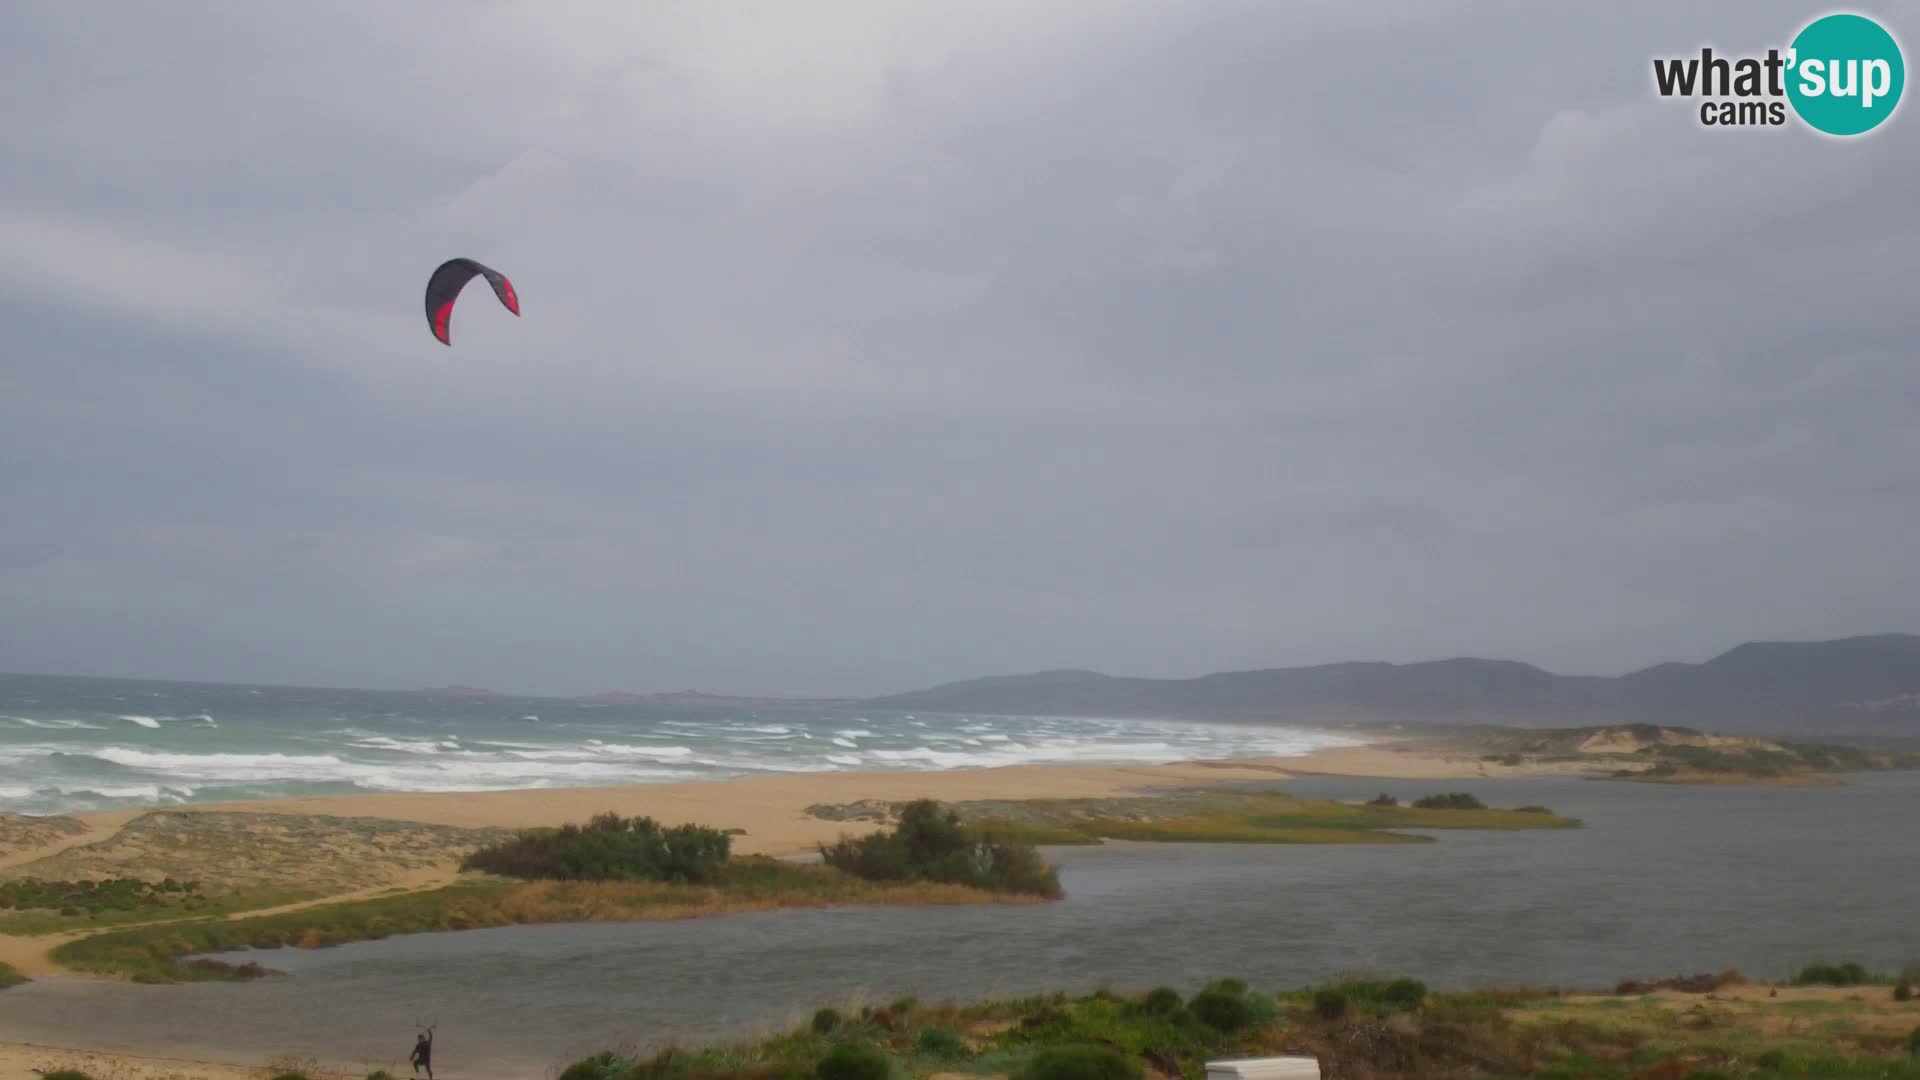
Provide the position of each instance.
(868, 345)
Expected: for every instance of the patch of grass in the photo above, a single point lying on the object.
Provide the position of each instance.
(1213, 815)
(36, 922)
(10, 977)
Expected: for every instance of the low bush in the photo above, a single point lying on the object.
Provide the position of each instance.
(1847, 974)
(605, 1065)
(609, 848)
(1220, 1010)
(1458, 800)
(66, 1074)
(1903, 991)
(852, 1061)
(1080, 1063)
(1161, 1001)
(825, 1021)
(941, 1043)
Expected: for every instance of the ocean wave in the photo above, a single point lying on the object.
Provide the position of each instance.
(143, 721)
(52, 725)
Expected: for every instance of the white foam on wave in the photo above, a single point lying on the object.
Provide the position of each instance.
(464, 772)
(664, 753)
(854, 733)
(52, 725)
(843, 759)
(848, 743)
(143, 721)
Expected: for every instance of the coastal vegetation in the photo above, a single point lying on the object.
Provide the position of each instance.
(610, 848)
(1211, 815)
(10, 977)
(931, 844)
(1380, 1029)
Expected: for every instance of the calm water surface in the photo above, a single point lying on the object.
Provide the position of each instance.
(1662, 880)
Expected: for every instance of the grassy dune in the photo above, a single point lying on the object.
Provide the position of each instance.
(10, 977)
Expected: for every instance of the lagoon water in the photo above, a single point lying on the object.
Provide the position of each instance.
(1662, 880)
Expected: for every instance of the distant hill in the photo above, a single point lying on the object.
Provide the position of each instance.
(1859, 685)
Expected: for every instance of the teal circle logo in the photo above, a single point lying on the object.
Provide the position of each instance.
(1846, 74)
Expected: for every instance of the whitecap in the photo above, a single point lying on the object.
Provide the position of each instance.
(143, 721)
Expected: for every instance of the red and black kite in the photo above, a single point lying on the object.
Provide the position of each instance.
(446, 283)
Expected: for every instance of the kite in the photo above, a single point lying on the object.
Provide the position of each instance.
(447, 281)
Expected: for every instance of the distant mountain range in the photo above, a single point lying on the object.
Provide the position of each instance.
(1859, 685)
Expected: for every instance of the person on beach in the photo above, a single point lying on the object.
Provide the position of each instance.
(423, 1053)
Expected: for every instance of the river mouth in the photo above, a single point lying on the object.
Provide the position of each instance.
(1662, 880)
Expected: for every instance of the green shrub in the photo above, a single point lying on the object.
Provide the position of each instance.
(379, 1074)
(1383, 799)
(1903, 991)
(1458, 800)
(1774, 1060)
(1262, 1009)
(1222, 1011)
(902, 1006)
(609, 848)
(930, 844)
(1329, 1003)
(1404, 994)
(940, 1043)
(1848, 974)
(290, 1076)
(66, 1074)
(1161, 1001)
(1080, 1063)
(851, 1061)
(605, 1065)
(1913, 1043)
(825, 1021)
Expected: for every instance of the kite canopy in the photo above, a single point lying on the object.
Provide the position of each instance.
(445, 285)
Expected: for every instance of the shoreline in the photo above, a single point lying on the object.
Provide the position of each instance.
(772, 809)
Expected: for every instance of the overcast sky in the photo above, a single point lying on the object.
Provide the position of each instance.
(872, 345)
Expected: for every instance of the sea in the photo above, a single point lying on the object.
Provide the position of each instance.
(72, 744)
